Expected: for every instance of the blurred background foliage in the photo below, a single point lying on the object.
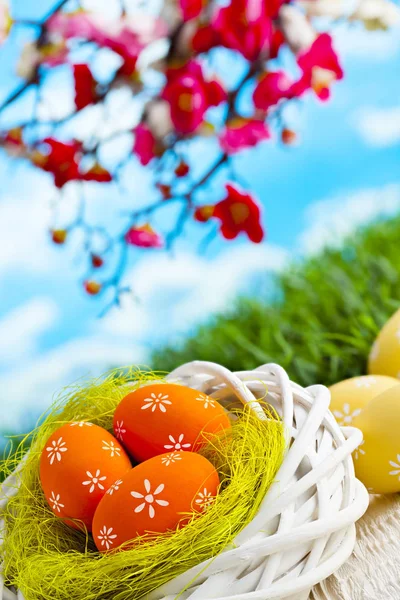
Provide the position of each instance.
(324, 315)
(319, 324)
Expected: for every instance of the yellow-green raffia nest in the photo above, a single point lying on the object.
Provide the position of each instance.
(46, 559)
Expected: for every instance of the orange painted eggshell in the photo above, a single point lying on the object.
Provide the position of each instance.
(154, 497)
(165, 417)
(79, 463)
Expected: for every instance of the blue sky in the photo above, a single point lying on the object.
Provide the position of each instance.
(345, 171)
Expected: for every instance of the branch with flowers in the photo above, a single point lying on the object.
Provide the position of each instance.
(164, 63)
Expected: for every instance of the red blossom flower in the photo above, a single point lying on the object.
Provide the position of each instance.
(97, 261)
(145, 145)
(191, 9)
(165, 190)
(13, 142)
(277, 41)
(190, 95)
(92, 287)
(85, 86)
(243, 133)
(144, 237)
(59, 236)
(271, 88)
(182, 169)
(205, 38)
(97, 173)
(204, 213)
(320, 66)
(289, 137)
(238, 212)
(244, 26)
(61, 160)
(272, 7)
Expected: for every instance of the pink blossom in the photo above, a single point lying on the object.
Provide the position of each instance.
(271, 88)
(191, 9)
(190, 95)
(144, 237)
(126, 36)
(243, 133)
(244, 26)
(320, 66)
(145, 144)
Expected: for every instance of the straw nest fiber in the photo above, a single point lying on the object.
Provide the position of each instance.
(303, 528)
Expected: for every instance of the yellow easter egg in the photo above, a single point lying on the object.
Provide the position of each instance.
(377, 459)
(384, 358)
(349, 397)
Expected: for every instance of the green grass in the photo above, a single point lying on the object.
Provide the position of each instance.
(322, 321)
(324, 317)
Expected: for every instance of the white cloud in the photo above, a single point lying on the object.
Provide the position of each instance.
(329, 221)
(176, 292)
(27, 390)
(22, 326)
(379, 127)
(355, 41)
(24, 235)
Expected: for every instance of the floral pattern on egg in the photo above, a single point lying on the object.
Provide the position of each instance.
(162, 417)
(377, 459)
(156, 496)
(79, 463)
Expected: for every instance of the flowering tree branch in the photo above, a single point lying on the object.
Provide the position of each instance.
(177, 100)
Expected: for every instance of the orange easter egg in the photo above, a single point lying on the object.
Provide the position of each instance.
(79, 463)
(154, 497)
(165, 417)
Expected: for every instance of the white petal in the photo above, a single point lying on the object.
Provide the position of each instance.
(137, 495)
(139, 508)
(159, 489)
(162, 502)
(162, 408)
(147, 485)
(152, 512)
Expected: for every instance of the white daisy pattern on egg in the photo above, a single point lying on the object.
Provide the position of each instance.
(359, 451)
(204, 499)
(107, 537)
(346, 416)
(365, 382)
(148, 499)
(119, 430)
(155, 401)
(177, 444)
(55, 501)
(206, 401)
(396, 465)
(112, 448)
(56, 449)
(115, 487)
(81, 424)
(169, 459)
(95, 481)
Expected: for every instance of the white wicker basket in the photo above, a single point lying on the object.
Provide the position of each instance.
(305, 528)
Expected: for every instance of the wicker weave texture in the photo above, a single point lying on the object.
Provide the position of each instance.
(305, 528)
